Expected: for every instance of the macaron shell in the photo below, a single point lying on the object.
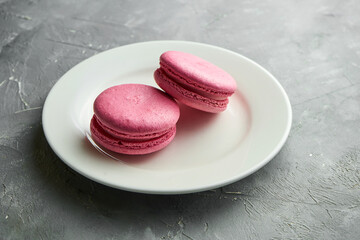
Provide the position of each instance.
(202, 74)
(107, 141)
(187, 97)
(136, 109)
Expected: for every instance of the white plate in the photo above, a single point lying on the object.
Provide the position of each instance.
(209, 150)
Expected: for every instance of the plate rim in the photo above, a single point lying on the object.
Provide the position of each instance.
(226, 181)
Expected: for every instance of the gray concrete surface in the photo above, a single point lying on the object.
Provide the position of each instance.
(310, 190)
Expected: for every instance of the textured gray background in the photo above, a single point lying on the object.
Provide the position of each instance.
(310, 190)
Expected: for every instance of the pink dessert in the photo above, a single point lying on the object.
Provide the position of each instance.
(194, 81)
(134, 119)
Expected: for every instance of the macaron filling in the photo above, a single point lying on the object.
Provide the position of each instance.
(160, 74)
(103, 137)
(189, 84)
(129, 136)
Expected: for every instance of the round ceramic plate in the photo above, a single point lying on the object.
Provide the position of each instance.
(209, 150)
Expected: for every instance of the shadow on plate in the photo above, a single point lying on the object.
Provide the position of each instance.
(190, 121)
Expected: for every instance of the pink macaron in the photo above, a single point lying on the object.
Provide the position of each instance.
(134, 119)
(194, 81)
